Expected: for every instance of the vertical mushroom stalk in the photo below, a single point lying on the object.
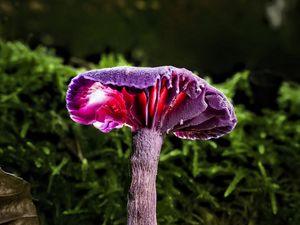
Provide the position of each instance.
(144, 160)
(152, 102)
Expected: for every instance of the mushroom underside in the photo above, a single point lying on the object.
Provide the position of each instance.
(189, 108)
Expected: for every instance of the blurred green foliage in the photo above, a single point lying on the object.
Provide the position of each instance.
(80, 176)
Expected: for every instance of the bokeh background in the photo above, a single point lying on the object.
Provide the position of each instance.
(249, 48)
(210, 36)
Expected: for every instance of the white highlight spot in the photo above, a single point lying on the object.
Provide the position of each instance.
(97, 97)
(275, 11)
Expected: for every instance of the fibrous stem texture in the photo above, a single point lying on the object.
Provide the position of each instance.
(144, 163)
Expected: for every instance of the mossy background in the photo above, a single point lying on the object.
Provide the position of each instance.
(79, 175)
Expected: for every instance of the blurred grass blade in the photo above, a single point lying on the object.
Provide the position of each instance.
(273, 203)
(172, 154)
(262, 169)
(232, 186)
(24, 129)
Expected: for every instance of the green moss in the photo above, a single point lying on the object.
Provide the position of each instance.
(80, 176)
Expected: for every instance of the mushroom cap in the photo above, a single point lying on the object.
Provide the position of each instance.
(166, 98)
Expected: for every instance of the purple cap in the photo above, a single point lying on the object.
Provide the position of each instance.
(166, 99)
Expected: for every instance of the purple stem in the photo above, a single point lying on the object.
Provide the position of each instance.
(144, 163)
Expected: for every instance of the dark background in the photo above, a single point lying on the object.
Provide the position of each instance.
(213, 37)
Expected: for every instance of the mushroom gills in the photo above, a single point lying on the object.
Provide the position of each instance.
(160, 106)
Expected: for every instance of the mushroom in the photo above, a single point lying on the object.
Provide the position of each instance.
(152, 102)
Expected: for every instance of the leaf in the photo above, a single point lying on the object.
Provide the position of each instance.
(169, 155)
(24, 129)
(273, 202)
(16, 206)
(237, 178)
(195, 163)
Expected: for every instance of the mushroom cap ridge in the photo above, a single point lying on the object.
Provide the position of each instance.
(164, 98)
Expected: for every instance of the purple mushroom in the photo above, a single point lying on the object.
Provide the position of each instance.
(152, 102)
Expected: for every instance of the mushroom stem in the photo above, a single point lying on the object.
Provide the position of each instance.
(144, 163)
